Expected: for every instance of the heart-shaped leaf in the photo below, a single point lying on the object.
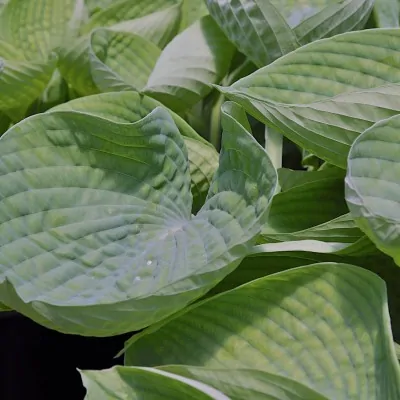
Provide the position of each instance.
(308, 324)
(196, 58)
(121, 383)
(99, 237)
(373, 185)
(323, 95)
(130, 107)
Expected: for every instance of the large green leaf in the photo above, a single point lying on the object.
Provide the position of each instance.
(36, 27)
(323, 95)
(196, 58)
(122, 10)
(121, 383)
(130, 107)
(373, 185)
(256, 28)
(99, 237)
(108, 60)
(326, 326)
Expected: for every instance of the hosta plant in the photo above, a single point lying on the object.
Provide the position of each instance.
(246, 279)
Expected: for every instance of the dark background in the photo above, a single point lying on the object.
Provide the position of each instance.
(37, 363)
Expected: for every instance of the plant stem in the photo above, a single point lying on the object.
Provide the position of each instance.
(215, 122)
(274, 148)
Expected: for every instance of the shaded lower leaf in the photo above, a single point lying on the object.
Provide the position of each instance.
(310, 324)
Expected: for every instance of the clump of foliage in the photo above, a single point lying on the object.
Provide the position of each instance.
(248, 280)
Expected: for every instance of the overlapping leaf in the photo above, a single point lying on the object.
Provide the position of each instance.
(266, 30)
(373, 186)
(196, 58)
(36, 27)
(386, 13)
(323, 95)
(309, 324)
(158, 27)
(192, 10)
(98, 233)
(256, 28)
(108, 60)
(21, 82)
(130, 107)
(122, 10)
(246, 384)
(332, 18)
(29, 31)
(120, 383)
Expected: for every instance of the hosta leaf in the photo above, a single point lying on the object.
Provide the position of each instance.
(192, 10)
(246, 384)
(56, 92)
(158, 27)
(289, 179)
(386, 13)
(21, 82)
(196, 58)
(310, 324)
(256, 28)
(295, 209)
(99, 234)
(121, 383)
(130, 107)
(122, 10)
(342, 229)
(107, 60)
(4, 121)
(373, 186)
(336, 17)
(323, 95)
(121, 60)
(43, 25)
